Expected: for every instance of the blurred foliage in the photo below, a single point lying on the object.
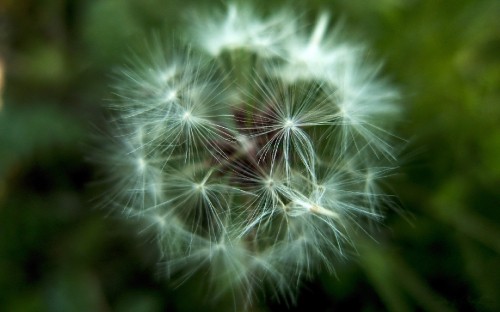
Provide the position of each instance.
(440, 252)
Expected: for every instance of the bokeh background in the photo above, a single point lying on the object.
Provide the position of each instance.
(440, 251)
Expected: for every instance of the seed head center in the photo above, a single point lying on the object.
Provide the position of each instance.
(289, 123)
(141, 164)
(187, 115)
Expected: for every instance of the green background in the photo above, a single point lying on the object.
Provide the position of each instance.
(440, 251)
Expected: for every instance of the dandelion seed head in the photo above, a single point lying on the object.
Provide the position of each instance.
(259, 163)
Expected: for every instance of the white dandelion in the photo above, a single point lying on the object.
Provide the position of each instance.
(260, 172)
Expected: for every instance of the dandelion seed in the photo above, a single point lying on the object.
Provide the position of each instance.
(241, 29)
(315, 56)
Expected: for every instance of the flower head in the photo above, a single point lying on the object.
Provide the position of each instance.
(260, 170)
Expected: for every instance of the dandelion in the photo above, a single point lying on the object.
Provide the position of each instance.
(260, 172)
